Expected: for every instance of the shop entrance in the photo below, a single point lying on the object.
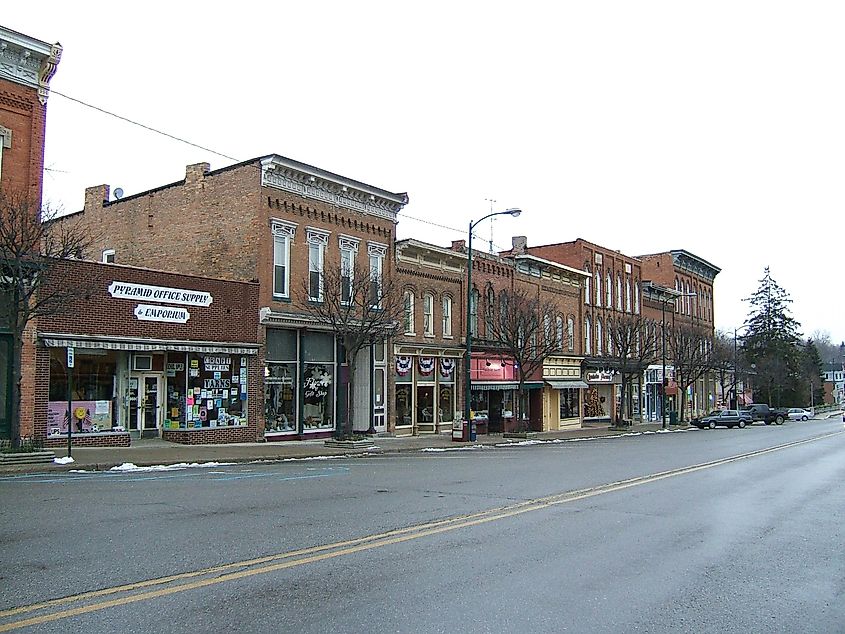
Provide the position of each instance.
(145, 405)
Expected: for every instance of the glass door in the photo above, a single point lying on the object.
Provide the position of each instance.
(147, 418)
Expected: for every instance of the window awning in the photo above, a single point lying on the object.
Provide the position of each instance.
(567, 385)
(149, 345)
(505, 385)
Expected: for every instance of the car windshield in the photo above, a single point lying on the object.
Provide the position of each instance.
(715, 412)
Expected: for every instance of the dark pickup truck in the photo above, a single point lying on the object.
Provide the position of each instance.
(762, 412)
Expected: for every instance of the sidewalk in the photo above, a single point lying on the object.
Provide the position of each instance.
(150, 452)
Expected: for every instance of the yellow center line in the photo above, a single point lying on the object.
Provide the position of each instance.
(349, 547)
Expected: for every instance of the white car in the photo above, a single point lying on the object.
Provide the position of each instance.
(796, 413)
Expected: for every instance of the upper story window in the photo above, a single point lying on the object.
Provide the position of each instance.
(408, 303)
(283, 233)
(548, 333)
(559, 332)
(636, 297)
(5, 142)
(587, 284)
(570, 332)
(348, 251)
(599, 337)
(588, 336)
(447, 316)
(377, 252)
(489, 314)
(598, 288)
(428, 314)
(628, 294)
(608, 291)
(619, 292)
(317, 241)
(108, 256)
(475, 297)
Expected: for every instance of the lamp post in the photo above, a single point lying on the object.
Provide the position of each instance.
(672, 296)
(467, 384)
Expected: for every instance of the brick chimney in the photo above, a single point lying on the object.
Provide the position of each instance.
(459, 245)
(96, 197)
(519, 244)
(196, 173)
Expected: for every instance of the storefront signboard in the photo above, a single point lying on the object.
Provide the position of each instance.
(600, 377)
(163, 294)
(170, 314)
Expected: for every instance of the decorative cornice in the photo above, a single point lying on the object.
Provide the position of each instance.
(312, 182)
(29, 62)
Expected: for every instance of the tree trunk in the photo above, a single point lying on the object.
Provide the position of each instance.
(348, 425)
(17, 394)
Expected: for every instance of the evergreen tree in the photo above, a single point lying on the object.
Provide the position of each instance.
(811, 366)
(772, 344)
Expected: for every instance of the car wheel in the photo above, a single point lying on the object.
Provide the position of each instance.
(779, 420)
(803, 418)
(712, 424)
(741, 424)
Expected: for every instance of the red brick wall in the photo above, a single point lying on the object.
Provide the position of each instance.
(90, 440)
(23, 163)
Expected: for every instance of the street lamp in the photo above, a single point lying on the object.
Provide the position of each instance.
(467, 386)
(673, 295)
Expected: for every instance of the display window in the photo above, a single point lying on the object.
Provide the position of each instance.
(206, 390)
(404, 403)
(93, 392)
(280, 385)
(570, 403)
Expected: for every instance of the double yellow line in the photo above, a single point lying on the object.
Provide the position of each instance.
(215, 575)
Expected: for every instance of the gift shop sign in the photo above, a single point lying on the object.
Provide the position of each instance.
(164, 295)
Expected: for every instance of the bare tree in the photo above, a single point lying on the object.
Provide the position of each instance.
(723, 362)
(360, 307)
(522, 331)
(31, 241)
(691, 356)
(634, 345)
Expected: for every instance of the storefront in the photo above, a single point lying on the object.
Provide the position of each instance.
(562, 393)
(425, 389)
(600, 398)
(494, 391)
(148, 354)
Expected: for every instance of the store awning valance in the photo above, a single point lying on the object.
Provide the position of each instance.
(505, 385)
(149, 345)
(566, 385)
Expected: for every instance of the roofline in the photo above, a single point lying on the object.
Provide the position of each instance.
(550, 264)
(426, 246)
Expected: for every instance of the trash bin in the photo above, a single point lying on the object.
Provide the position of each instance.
(673, 418)
(473, 435)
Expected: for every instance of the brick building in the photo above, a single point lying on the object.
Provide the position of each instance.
(280, 223)
(611, 288)
(26, 67)
(689, 280)
(429, 352)
(154, 354)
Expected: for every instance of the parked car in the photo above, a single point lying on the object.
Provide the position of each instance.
(723, 418)
(761, 411)
(798, 413)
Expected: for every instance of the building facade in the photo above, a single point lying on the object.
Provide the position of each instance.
(26, 67)
(282, 224)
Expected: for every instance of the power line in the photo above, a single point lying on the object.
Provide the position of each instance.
(221, 154)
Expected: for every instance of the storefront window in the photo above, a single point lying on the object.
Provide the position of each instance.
(403, 404)
(318, 382)
(569, 403)
(280, 386)
(216, 394)
(93, 397)
(446, 393)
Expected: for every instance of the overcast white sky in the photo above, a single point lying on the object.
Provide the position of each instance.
(715, 127)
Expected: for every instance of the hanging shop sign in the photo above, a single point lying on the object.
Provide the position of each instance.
(602, 376)
(171, 314)
(164, 294)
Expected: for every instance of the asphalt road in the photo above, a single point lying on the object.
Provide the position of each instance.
(700, 531)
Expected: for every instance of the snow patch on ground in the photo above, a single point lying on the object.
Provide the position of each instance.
(442, 449)
(67, 460)
(129, 467)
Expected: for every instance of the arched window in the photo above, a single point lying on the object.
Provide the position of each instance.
(489, 314)
(588, 334)
(598, 287)
(599, 338)
(619, 292)
(428, 314)
(628, 294)
(408, 302)
(447, 316)
(547, 327)
(608, 291)
(570, 328)
(609, 328)
(636, 297)
(559, 332)
(475, 297)
(587, 281)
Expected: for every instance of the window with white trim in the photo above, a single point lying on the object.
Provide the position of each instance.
(377, 253)
(348, 250)
(108, 256)
(447, 316)
(588, 334)
(619, 292)
(608, 291)
(5, 142)
(408, 303)
(317, 241)
(599, 337)
(559, 332)
(428, 314)
(587, 284)
(283, 233)
(598, 287)
(570, 327)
